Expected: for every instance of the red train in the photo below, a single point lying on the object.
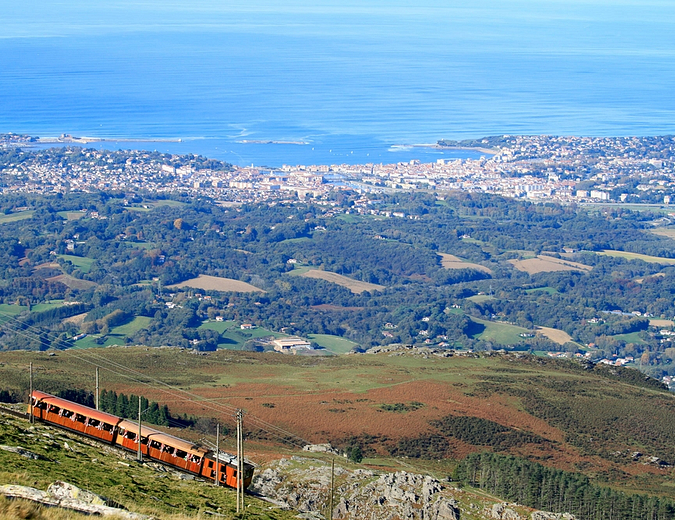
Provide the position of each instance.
(155, 445)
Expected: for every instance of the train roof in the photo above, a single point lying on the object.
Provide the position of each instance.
(162, 437)
(76, 407)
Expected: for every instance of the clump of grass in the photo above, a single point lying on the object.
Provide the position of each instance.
(25, 510)
(401, 407)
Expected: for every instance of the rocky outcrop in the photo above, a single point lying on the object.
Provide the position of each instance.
(303, 484)
(542, 515)
(503, 512)
(359, 494)
(67, 496)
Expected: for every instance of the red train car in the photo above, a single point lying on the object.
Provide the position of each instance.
(75, 417)
(155, 444)
(161, 447)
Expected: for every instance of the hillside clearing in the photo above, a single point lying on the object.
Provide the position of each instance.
(637, 256)
(661, 323)
(355, 286)
(216, 283)
(15, 217)
(547, 264)
(556, 335)
(335, 344)
(72, 282)
(503, 333)
(81, 262)
(454, 262)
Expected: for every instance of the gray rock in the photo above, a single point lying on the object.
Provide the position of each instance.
(543, 515)
(67, 496)
(501, 512)
(442, 509)
(22, 451)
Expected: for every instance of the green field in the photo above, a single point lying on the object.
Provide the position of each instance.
(14, 217)
(479, 298)
(117, 335)
(295, 240)
(138, 323)
(90, 342)
(335, 344)
(232, 337)
(300, 269)
(632, 337)
(39, 307)
(81, 262)
(218, 326)
(638, 256)
(547, 290)
(8, 311)
(71, 215)
(500, 332)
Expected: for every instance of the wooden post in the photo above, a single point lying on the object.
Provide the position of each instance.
(240, 461)
(140, 453)
(238, 456)
(218, 454)
(30, 391)
(97, 392)
(332, 487)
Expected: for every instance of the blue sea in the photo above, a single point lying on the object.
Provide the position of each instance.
(351, 79)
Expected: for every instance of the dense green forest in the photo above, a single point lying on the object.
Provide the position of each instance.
(112, 257)
(519, 480)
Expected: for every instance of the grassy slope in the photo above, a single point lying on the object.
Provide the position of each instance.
(14, 217)
(588, 420)
(501, 333)
(82, 263)
(335, 344)
(112, 473)
(638, 256)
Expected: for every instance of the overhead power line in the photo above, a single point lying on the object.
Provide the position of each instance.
(31, 332)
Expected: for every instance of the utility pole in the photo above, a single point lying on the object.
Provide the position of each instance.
(240, 461)
(30, 396)
(140, 453)
(218, 454)
(97, 392)
(332, 487)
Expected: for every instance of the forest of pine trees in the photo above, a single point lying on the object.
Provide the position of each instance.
(519, 480)
(127, 407)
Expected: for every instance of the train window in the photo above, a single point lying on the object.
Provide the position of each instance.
(41, 405)
(155, 444)
(107, 427)
(54, 409)
(144, 440)
(181, 454)
(94, 423)
(130, 435)
(210, 464)
(196, 459)
(66, 413)
(80, 418)
(169, 450)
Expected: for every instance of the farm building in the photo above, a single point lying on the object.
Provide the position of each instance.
(290, 344)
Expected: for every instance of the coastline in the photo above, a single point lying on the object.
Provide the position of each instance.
(86, 140)
(437, 146)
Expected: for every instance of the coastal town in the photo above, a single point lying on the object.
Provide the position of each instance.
(537, 168)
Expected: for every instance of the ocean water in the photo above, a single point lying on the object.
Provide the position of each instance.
(350, 79)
